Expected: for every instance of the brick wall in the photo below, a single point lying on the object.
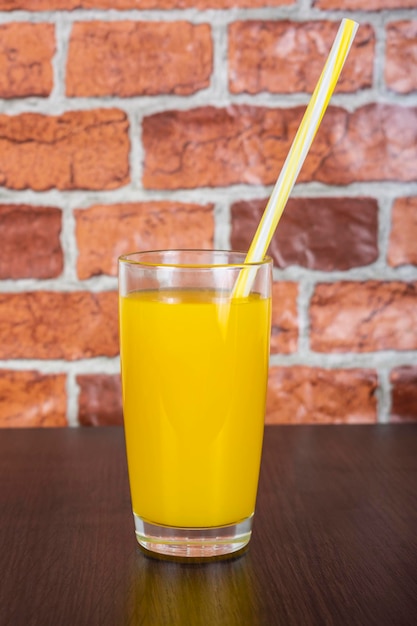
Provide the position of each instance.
(129, 124)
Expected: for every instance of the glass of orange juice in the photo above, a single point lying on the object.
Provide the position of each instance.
(194, 360)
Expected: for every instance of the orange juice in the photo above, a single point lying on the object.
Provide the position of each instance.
(194, 371)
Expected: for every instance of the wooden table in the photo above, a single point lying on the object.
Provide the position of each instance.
(334, 541)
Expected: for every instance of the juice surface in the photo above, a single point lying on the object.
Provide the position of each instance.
(194, 371)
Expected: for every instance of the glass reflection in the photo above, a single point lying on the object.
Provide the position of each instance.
(202, 594)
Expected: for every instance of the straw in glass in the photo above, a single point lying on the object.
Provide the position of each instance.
(297, 154)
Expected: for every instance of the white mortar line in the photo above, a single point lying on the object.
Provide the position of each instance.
(62, 39)
(93, 365)
(299, 12)
(222, 226)
(384, 230)
(136, 155)
(306, 289)
(381, 191)
(69, 245)
(73, 392)
(384, 394)
(346, 360)
(214, 96)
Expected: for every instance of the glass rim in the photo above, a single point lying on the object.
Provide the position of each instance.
(128, 260)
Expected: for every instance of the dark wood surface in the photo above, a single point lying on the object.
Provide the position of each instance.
(334, 541)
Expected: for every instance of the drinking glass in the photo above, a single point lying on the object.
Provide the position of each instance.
(194, 359)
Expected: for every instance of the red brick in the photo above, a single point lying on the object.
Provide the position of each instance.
(304, 395)
(76, 150)
(100, 400)
(363, 317)
(284, 328)
(210, 146)
(360, 5)
(123, 58)
(246, 144)
(402, 245)
(376, 142)
(68, 5)
(319, 233)
(138, 226)
(271, 56)
(404, 394)
(401, 56)
(30, 245)
(26, 52)
(55, 325)
(32, 399)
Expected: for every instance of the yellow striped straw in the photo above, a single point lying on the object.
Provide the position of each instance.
(297, 154)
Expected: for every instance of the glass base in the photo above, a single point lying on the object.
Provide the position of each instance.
(193, 542)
